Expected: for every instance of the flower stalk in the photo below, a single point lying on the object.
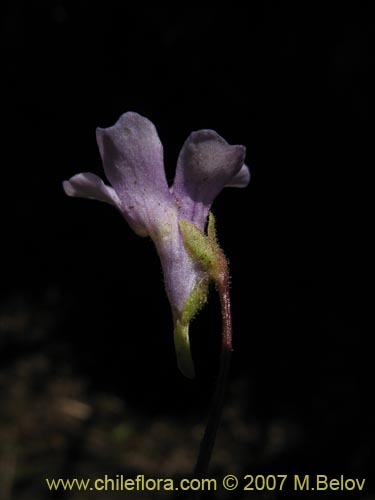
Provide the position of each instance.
(205, 250)
(209, 436)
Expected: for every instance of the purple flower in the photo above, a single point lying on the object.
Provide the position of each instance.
(132, 156)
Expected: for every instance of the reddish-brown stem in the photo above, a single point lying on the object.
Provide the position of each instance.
(209, 437)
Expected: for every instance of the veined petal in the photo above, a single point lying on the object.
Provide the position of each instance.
(205, 165)
(241, 179)
(132, 156)
(89, 185)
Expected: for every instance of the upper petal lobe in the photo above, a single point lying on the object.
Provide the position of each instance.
(132, 156)
(205, 165)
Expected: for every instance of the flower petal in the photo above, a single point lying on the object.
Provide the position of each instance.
(241, 179)
(88, 185)
(132, 157)
(205, 165)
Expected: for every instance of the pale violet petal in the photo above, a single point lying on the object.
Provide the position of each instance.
(89, 185)
(241, 179)
(132, 156)
(205, 165)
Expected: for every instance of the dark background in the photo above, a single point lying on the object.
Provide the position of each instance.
(88, 379)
